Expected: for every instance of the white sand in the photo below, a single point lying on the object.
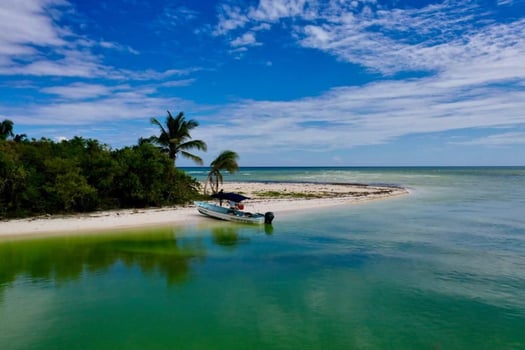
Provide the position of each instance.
(292, 197)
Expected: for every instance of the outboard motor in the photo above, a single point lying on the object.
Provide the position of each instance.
(268, 217)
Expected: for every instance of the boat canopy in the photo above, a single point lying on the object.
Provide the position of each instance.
(230, 196)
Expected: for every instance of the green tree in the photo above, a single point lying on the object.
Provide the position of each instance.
(146, 177)
(6, 129)
(227, 160)
(100, 169)
(67, 188)
(175, 137)
(79, 175)
(20, 138)
(13, 178)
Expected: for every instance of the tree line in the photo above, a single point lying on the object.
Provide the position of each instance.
(82, 175)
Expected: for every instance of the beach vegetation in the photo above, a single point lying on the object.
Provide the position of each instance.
(175, 138)
(40, 177)
(284, 194)
(227, 161)
(6, 129)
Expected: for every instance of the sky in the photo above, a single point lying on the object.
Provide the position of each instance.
(282, 83)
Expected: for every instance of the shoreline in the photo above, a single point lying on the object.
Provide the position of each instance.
(282, 198)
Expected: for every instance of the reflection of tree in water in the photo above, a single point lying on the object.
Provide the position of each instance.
(227, 236)
(67, 258)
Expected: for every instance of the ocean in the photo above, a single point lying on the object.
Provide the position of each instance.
(440, 268)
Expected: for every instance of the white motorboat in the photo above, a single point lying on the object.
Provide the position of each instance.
(234, 211)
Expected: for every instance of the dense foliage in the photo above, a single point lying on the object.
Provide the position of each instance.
(80, 175)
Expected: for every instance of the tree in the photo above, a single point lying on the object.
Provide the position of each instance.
(175, 138)
(13, 177)
(227, 160)
(6, 129)
(20, 138)
(78, 175)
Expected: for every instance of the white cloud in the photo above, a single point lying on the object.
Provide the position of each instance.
(477, 79)
(273, 10)
(267, 11)
(25, 28)
(317, 35)
(178, 15)
(341, 118)
(407, 40)
(89, 104)
(230, 18)
(117, 47)
(502, 139)
(150, 74)
(34, 43)
(247, 39)
(70, 64)
(178, 83)
(431, 38)
(78, 91)
(261, 27)
(379, 113)
(25, 23)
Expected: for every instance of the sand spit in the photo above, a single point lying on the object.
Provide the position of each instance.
(280, 198)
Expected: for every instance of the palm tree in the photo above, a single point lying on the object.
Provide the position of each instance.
(227, 160)
(175, 137)
(6, 129)
(20, 138)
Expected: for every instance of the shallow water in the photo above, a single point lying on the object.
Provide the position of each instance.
(441, 268)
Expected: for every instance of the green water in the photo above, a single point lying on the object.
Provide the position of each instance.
(438, 269)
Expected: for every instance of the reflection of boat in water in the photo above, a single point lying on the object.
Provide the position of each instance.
(234, 212)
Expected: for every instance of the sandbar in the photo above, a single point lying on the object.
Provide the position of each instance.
(281, 198)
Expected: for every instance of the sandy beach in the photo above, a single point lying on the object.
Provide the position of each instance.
(280, 198)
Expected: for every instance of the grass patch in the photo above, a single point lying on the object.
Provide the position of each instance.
(278, 194)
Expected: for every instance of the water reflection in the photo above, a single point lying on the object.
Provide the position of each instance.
(227, 236)
(68, 258)
(166, 251)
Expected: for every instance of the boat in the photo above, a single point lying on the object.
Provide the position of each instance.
(234, 211)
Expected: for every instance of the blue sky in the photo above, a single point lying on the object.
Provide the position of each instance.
(298, 82)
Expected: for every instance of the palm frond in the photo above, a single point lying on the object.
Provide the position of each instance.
(194, 144)
(175, 137)
(227, 160)
(193, 157)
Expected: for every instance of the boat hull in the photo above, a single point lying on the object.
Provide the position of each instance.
(223, 213)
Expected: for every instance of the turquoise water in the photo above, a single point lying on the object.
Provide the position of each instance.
(441, 268)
